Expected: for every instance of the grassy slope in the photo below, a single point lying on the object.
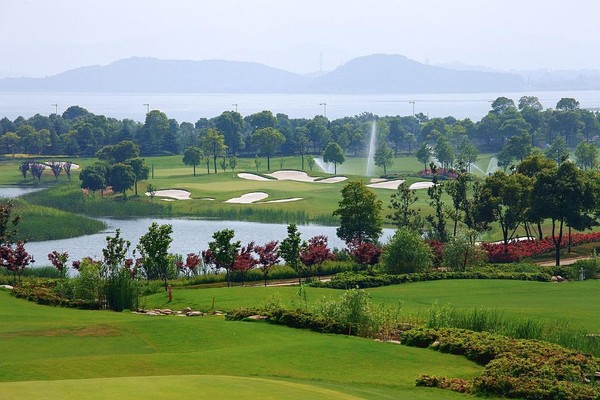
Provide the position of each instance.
(42, 343)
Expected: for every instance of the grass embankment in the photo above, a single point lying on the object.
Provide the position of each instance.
(77, 349)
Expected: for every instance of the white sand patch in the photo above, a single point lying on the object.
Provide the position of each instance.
(168, 199)
(387, 184)
(298, 176)
(252, 177)
(421, 185)
(207, 199)
(283, 200)
(7, 287)
(248, 198)
(377, 180)
(335, 179)
(176, 194)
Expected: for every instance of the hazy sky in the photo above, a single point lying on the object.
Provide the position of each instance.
(43, 37)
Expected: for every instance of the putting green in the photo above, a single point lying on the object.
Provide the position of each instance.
(167, 387)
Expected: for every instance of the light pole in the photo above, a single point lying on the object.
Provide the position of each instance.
(55, 108)
(324, 109)
(235, 105)
(413, 106)
(147, 107)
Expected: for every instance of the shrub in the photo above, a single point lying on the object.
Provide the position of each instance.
(406, 252)
(514, 368)
(462, 253)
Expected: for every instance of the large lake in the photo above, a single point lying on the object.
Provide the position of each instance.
(190, 107)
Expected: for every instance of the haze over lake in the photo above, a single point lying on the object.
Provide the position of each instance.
(190, 107)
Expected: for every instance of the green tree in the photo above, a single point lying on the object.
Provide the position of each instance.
(94, 177)
(155, 129)
(459, 190)
(119, 152)
(384, 156)
(437, 221)
(504, 199)
(154, 251)
(467, 154)
(406, 253)
(587, 155)
(502, 104)
(267, 140)
(289, 250)
(567, 104)
(424, 154)
(141, 171)
(530, 102)
(402, 214)
(213, 145)
(334, 153)
(10, 142)
(192, 156)
(231, 124)
(360, 214)
(444, 152)
(562, 195)
(558, 150)
(224, 250)
(121, 178)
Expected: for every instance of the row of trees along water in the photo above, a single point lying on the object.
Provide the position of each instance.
(509, 129)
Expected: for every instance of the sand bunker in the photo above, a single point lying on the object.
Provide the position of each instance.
(387, 184)
(297, 176)
(283, 200)
(421, 185)
(248, 198)
(376, 180)
(172, 194)
(252, 177)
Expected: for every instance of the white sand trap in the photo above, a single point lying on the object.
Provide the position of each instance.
(387, 184)
(377, 180)
(300, 176)
(421, 185)
(283, 200)
(248, 198)
(165, 199)
(335, 179)
(207, 199)
(252, 177)
(175, 194)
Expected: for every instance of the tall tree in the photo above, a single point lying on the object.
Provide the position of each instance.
(141, 171)
(290, 248)
(334, 153)
(154, 251)
(402, 214)
(231, 124)
(384, 156)
(360, 214)
(224, 251)
(267, 140)
(213, 145)
(424, 154)
(156, 128)
(504, 199)
(587, 155)
(121, 178)
(192, 156)
(444, 152)
(561, 195)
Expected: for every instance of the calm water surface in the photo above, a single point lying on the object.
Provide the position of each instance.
(192, 106)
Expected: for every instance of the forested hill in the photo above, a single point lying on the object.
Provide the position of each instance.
(371, 74)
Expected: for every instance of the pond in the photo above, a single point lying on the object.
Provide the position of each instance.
(189, 236)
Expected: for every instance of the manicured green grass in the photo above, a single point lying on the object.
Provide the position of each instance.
(572, 303)
(42, 343)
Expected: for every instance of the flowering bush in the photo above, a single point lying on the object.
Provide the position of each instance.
(515, 251)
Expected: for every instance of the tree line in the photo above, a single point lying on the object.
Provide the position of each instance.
(510, 130)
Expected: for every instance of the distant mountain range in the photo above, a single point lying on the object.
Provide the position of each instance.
(375, 74)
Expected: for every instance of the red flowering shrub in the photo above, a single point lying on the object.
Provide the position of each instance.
(515, 251)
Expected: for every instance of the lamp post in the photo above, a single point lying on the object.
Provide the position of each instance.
(324, 109)
(55, 108)
(413, 109)
(235, 105)
(147, 107)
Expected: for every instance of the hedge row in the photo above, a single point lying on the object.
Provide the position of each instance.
(347, 280)
(293, 318)
(514, 368)
(43, 292)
